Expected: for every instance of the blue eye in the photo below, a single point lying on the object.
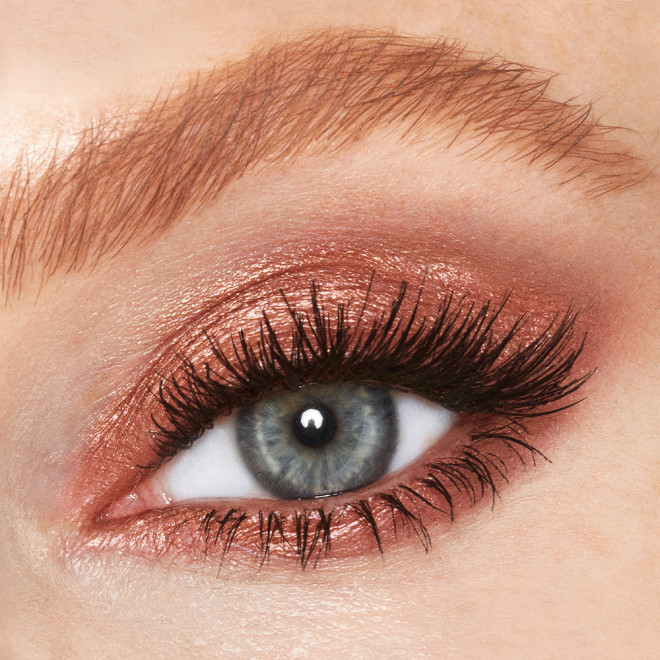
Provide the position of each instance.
(317, 440)
(330, 402)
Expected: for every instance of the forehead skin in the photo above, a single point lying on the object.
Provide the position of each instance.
(569, 568)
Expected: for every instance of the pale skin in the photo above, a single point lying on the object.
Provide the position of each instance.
(567, 564)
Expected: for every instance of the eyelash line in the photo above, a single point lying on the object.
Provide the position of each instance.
(425, 360)
(454, 360)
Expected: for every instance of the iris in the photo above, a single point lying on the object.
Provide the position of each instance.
(318, 440)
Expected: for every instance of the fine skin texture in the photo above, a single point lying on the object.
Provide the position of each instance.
(566, 563)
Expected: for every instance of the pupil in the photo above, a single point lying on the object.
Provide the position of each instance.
(314, 426)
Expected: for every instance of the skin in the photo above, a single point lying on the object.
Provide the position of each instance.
(567, 565)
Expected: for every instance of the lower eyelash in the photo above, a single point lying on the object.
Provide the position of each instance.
(306, 535)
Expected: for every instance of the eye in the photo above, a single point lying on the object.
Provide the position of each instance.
(317, 440)
(325, 428)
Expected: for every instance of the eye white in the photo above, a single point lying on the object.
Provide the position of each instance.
(212, 467)
(421, 424)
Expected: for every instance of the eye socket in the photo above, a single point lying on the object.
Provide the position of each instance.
(314, 441)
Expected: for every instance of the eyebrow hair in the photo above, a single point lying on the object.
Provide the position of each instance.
(130, 178)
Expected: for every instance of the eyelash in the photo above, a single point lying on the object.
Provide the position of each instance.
(455, 360)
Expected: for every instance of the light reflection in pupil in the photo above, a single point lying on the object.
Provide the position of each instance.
(312, 417)
(314, 426)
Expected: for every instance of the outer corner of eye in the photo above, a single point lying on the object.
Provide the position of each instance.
(421, 424)
(315, 441)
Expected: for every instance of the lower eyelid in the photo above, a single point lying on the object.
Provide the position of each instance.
(345, 526)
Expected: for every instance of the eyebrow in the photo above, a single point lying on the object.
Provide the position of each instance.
(131, 177)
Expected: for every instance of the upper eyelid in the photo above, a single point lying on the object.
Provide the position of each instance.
(131, 179)
(315, 339)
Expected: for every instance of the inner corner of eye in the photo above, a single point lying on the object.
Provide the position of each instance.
(315, 441)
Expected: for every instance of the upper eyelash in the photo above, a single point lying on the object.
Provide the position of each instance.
(455, 360)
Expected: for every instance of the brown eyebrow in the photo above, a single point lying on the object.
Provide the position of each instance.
(130, 179)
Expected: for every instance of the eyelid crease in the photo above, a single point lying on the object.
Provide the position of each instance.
(130, 179)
